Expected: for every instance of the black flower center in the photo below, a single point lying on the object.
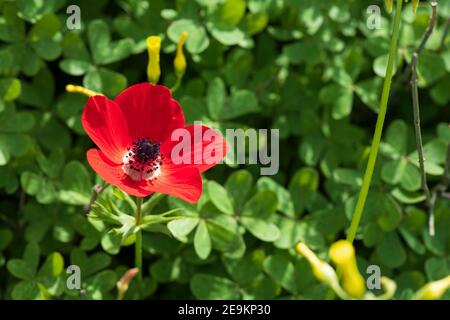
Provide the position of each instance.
(146, 151)
(143, 159)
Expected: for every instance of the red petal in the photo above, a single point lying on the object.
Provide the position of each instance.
(104, 122)
(204, 147)
(113, 174)
(184, 183)
(150, 111)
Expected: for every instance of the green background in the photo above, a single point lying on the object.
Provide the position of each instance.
(311, 69)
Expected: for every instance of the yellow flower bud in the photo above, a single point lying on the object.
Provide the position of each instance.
(343, 255)
(180, 61)
(389, 5)
(433, 290)
(79, 89)
(153, 68)
(415, 4)
(321, 270)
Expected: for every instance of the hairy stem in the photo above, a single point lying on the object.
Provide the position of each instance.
(429, 200)
(378, 128)
(425, 37)
(96, 191)
(138, 243)
(444, 36)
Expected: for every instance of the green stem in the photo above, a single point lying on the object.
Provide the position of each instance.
(378, 128)
(177, 85)
(138, 243)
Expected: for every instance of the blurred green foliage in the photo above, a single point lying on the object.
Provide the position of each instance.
(309, 68)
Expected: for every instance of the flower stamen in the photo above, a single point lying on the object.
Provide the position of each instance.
(143, 160)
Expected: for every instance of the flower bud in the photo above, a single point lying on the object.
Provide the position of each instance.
(179, 62)
(389, 5)
(79, 89)
(433, 290)
(343, 255)
(124, 282)
(153, 68)
(415, 4)
(321, 270)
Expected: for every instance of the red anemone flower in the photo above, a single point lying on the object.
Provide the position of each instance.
(134, 134)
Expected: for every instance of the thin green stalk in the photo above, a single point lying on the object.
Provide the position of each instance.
(177, 85)
(378, 128)
(138, 243)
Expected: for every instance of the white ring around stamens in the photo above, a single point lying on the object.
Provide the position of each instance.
(148, 172)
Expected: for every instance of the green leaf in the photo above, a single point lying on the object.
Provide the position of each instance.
(13, 145)
(10, 88)
(76, 185)
(25, 290)
(45, 37)
(436, 268)
(431, 67)
(219, 197)
(245, 270)
(340, 98)
(411, 178)
(32, 11)
(224, 234)
(12, 28)
(368, 91)
(348, 176)
(261, 205)
(255, 23)
(240, 103)
(226, 34)
(197, 40)
(312, 148)
(103, 50)
(284, 201)
(407, 197)
(6, 236)
(111, 243)
(231, 12)
(261, 229)
(390, 251)
(52, 164)
(202, 241)
(17, 122)
(40, 91)
(303, 52)
(210, 287)
(74, 67)
(108, 82)
(282, 271)
(51, 133)
(412, 241)
(389, 213)
(397, 136)
(372, 234)
(20, 269)
(216, 97)
(439, 92)
(182, 227)
(394, 170)
(380, 65)
(53, 265)
(238, 186)
(220, 106)
(31, 182)
(303, 185)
